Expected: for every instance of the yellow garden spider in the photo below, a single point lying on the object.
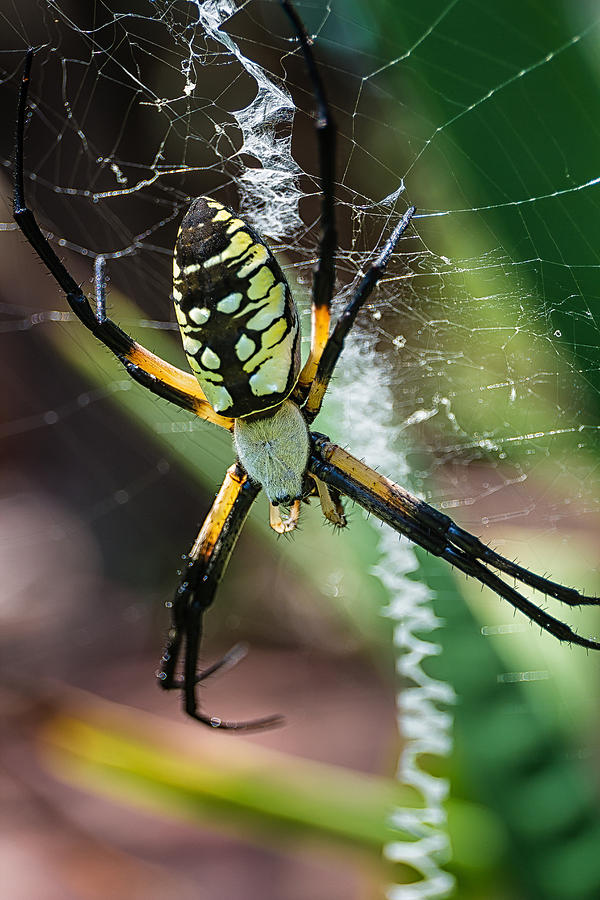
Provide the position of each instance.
(241, 335)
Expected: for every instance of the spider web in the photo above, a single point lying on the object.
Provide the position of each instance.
(474, 375)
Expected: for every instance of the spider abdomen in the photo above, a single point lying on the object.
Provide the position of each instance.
(236, 314)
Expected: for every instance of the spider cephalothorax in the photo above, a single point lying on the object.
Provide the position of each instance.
(240, 332)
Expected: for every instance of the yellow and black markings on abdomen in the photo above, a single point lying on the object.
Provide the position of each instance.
(236, 314)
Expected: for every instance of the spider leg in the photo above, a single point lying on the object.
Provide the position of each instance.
(438, 524)
(331, 503)
(476, 569)
(230, 659)
(206, 565)
(439, 535)
(149, 370)
(335, 344)
(476, 548)
(324, 268)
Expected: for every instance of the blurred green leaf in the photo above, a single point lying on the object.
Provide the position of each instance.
(216, 779)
